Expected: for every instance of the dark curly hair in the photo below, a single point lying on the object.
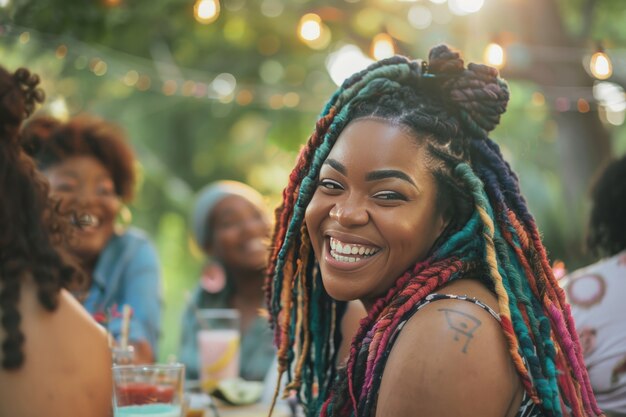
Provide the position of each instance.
(31, 231)
(605, 235)
(50, 142)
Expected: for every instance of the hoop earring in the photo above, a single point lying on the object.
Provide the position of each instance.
(123, 219)
(213, 278)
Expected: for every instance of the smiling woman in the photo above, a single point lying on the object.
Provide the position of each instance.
(90, 168)
(401, 200)
(374, 203)
(231, 226)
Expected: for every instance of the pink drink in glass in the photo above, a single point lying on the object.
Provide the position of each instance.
(218, 351)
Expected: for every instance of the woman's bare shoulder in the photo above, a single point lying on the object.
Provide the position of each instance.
(450, 359)
(64, 345)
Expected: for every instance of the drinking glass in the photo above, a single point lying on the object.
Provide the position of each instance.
(218, 340)
(148, 390)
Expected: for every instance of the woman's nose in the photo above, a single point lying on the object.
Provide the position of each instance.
(254, 226)
(349, 213)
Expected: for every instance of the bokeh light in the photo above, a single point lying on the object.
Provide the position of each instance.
(271, 71)
(420, 17)
(494, 55)
(272, 8)
(382, 47)
(169, 87)
(224, 84)
(612, 99)
(58, 109)
(463, 7)
(345, 62)
(131, 78)
(601, 66)
(206, 11)
(310, 27)
(61, 52)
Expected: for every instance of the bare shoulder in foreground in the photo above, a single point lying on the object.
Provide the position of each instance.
(451, 359)
(67, 367)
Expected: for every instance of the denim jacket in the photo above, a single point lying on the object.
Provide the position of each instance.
(128, 272)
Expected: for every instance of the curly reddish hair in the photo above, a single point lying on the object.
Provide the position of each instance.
(51, 142)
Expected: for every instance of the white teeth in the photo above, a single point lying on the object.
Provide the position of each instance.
(88, 220)
(338, 249)
(349, 259)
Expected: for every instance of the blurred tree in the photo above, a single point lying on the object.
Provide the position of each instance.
(236, 98)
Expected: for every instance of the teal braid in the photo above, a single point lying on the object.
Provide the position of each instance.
(521, 287)
(544, 374)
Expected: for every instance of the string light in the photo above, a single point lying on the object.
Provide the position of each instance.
(206, 11)
(313, 32)
(61, 51)
(131, 78)
(600, 65)
(310, 28)
(382, 46)
(583, 105)
(494, 55)
(340, 64)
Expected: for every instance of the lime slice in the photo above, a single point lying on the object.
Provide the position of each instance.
(238, 391)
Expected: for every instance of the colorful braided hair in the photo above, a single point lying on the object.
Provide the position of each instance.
(452, 109)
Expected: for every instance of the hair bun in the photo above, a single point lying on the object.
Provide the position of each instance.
(477, 92)
(28, 84)
(442, 60)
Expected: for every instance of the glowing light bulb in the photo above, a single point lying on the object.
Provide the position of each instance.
(310, 27)
(206, 11)
(494, 55)
(382, 46)
(601, 66)
(463, 7)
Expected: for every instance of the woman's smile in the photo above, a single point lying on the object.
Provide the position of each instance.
(373, 214)
(348, 255)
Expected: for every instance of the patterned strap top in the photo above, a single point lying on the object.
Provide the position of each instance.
(527, 408)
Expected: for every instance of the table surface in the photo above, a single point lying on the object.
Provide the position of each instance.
(254, 410)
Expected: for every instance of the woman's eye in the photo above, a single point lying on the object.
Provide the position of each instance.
(64, 187)
(330, 184)
(105, 191)
(390, 195)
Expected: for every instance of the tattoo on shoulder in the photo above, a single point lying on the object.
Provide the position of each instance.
(464, 325)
